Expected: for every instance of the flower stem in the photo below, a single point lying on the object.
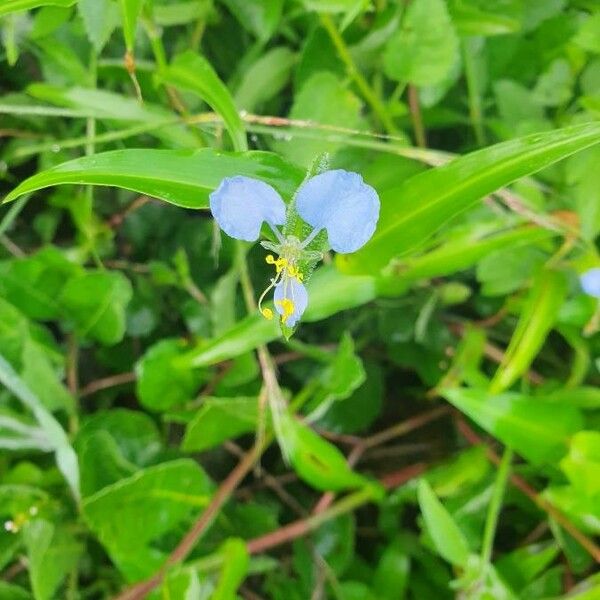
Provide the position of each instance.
(365, 89)
(491, 521)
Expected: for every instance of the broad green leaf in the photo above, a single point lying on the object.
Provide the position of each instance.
(448, 539)
(131, 516)
(466, 469)
(422, 204)
(8, 591)
(33, 284)
(52, 553)
(582, 464)
(456, 255)
(9, 6)
(524, 564)
(588, 37)
(392, 574)
(116, 108)
(537, 430)
(163, 381)
(425, 47)
(344, 374)
(135, 433)
(358, 412)
(265, 78)
(186, 585)
(130, 12)
(218, 420)
(235, 568)
(477, 17)
(113, 445)
(30, 350)
(183, 178)
(331, 6)
(100, 17)
(95, 303)
(316, 461)
(101, 463)
(66, 458)
(325, 99)
(535, 322)
(193, 72)
(257, 16)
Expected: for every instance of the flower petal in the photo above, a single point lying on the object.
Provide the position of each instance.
(289, 288)
(590, 282)
(343, 204)
(240, 205)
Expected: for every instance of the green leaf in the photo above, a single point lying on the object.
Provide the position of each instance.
(131, 516)
(34, 283)
(162, 381)
(183, 178)
(265, 78)
(331, 6)
(218, 420)
(235, 568)
(325, 99)
(358, 412)
(95, 303)
(457, 254)
(66, 458)
(9, 6)
(537, 430)
(344, 374)
(392, 574)
(13, 592)
(448, 539)
(582, 464)
(422, 204)
(257, 16)
(535, 322)
(30, 350)
(588, 37)
(113, 445)
(193, 72)
(477, 17)
(425, 47)
(130, 12)
(52, 553)
(100, 18)
(316, 461)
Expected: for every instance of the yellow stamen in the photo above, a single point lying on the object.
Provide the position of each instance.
(288, 308)
(267, 313)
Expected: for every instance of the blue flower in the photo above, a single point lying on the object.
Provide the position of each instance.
(590, 282)
(241, 205)
(343, 204)
(339, 202)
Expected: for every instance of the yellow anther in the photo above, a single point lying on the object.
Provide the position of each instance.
(288, 308)
(270, 259)
(267, 313)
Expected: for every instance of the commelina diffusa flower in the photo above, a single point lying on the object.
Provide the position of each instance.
(337, 201)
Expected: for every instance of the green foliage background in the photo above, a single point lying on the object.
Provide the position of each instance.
(438, 407)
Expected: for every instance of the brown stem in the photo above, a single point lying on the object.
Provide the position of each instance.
(415, 114)
(107, 382)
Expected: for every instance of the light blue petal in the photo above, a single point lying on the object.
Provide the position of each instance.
(240, 205)
(343, 204)
(291, 289)
(590, 282)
